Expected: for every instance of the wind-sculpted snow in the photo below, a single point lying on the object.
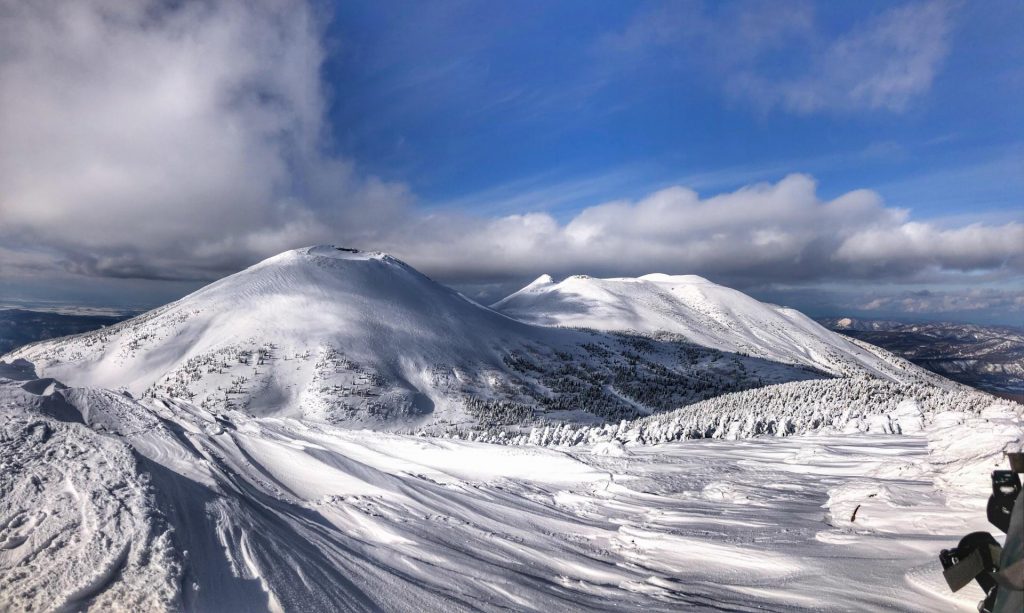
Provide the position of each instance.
(78, 525)
(363, 339)
(162, 505)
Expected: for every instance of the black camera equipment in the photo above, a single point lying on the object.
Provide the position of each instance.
(978, 557)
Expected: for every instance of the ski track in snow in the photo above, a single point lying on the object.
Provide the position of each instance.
(279, 514)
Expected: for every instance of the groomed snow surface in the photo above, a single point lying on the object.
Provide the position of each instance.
(109, 503)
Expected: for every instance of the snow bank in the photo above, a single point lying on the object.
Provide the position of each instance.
(78, 527)
(964, 449)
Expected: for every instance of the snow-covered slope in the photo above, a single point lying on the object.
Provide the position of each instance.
(111, 503)
(700, 311)
(338, 335)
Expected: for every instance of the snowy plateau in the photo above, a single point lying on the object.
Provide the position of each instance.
(331, 430)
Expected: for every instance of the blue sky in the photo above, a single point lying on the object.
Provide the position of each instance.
(462, 99)
(840, 157)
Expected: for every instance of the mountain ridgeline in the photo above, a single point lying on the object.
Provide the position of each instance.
(364, 340)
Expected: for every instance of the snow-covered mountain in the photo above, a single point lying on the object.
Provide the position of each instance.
(314, 331)
(334, 334)
(701, 312)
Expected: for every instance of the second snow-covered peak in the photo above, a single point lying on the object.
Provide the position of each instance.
(703, 312)
(660, 277)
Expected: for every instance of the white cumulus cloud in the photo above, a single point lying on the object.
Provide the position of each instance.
(768, 232)
(138, 132)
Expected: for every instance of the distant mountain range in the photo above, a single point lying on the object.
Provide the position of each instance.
(23, 326)
(986, 357)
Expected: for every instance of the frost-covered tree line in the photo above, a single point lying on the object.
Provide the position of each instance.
(851, 404)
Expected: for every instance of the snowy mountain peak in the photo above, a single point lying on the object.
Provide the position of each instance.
(659, 277)
(692, 307)
(335, 252)
(324, 253)
(540, 281)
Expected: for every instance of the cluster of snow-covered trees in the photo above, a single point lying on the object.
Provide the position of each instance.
(234, 365)
(492, 412)
(850, 404)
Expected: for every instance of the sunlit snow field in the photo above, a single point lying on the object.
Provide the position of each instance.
(729, 525)
(281, 514)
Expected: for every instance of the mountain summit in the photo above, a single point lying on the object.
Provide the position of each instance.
(314, 331)
(700, 311)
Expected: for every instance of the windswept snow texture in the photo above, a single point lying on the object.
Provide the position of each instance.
(158, 504)
(342, 336)
(78, 525)
(700, 311)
